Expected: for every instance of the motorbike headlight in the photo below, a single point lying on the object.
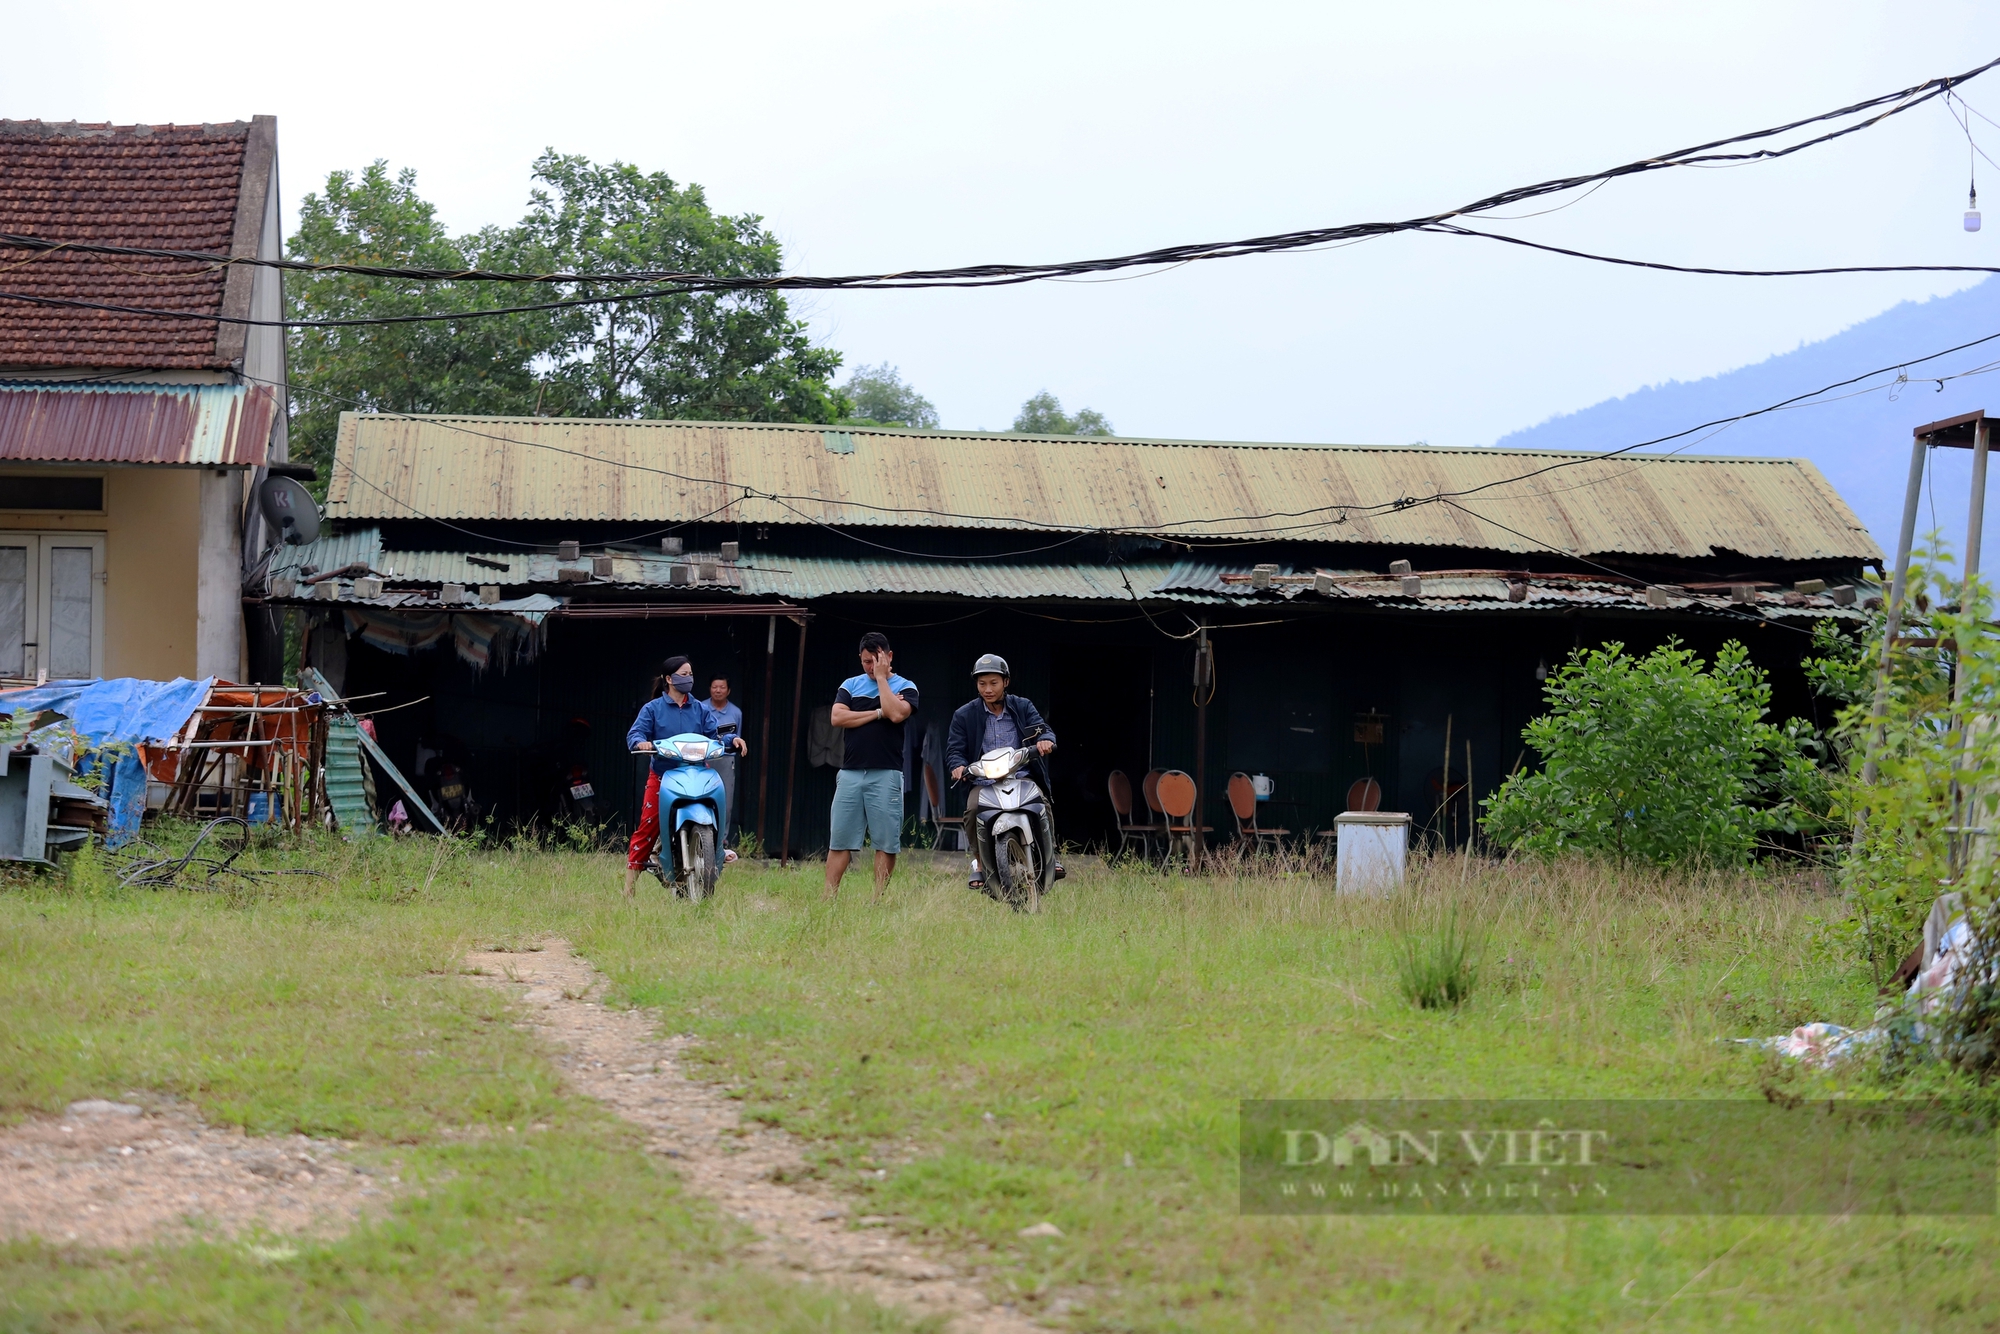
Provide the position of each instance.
(694, 752)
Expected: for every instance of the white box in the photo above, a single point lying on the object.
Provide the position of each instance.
(1372, 849)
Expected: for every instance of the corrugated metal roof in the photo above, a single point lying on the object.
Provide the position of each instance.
(813, 577)
(757, 575)
(807, 578)
(495, 468)
(217, 425)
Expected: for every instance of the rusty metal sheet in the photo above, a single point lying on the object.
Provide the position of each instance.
(470, 468)
(213, 425)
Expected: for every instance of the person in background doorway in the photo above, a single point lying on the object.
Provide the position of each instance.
(672, 711)
(868, 795)
(996, 720)
(729, 731)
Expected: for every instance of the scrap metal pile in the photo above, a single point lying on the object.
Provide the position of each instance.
(79, 758)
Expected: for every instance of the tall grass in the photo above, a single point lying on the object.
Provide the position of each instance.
(1438, 964)
(1083, 1066)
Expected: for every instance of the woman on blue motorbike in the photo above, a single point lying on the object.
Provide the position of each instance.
(672, 711)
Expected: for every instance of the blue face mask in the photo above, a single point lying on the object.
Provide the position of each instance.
(681, 683)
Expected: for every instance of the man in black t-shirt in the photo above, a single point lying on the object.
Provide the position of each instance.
(868, 794)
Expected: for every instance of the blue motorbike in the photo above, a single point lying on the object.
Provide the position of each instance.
(690, 855)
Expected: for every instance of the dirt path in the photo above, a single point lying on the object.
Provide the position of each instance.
(613, 1056)
(122, 1174)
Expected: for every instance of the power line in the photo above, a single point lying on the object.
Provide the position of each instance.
(1345, 511)
(1758, 620)
(993, 274)
(1452, 229)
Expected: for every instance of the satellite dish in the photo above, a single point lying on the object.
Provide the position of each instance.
(289, 508)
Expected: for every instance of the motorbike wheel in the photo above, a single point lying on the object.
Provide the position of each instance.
(1018, 877)
(698, 855)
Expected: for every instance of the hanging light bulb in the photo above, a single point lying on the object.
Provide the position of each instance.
(1972, 210)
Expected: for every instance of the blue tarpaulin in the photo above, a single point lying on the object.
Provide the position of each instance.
(118, 715)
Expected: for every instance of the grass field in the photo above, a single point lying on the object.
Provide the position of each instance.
(960, 1069)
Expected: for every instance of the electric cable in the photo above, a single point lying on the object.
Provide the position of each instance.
(1571, 555)
(1453, 229)
(1345, 509)
(991, 274)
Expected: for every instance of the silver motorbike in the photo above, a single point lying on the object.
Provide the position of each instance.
(1015, 839)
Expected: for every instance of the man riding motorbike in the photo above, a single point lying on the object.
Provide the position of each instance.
(993, 721)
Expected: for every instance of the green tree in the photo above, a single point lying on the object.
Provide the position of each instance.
(724, 356)
(882, 399)
(1043, 415)
(727, 356)
(1659, 759)
(478, 366)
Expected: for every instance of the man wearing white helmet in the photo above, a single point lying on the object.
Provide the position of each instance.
(995, 720)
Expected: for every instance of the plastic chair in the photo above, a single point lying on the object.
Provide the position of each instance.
(1176, 792)
(1149, 788)
(1365, 794)
(1128, 823)
(1243, 804)
(942, 827)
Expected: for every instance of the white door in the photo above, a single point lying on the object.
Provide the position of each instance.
(51, 606)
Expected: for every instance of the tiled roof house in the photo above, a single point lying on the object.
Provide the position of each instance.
(138, 410)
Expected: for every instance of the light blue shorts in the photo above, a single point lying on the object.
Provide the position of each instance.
(871, 801)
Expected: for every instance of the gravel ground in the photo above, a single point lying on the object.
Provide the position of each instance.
(121, 1174)
(615, 1057)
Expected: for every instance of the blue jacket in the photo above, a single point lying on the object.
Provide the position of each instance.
(968, 728)
(662, 718)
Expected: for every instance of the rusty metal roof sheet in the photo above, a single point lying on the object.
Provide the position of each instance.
(756, 575)
(489, 468)
(806, 578)
(216, 425)
(818, 576)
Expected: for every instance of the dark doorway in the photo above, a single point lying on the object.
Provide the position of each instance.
(1100, 717)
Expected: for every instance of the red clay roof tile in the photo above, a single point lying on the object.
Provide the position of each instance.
(165, 186)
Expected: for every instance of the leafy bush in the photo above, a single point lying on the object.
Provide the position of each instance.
(1659, 759)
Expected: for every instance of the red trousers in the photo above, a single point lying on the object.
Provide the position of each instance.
(648, 832)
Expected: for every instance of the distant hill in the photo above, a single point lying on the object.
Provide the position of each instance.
(1862, 444)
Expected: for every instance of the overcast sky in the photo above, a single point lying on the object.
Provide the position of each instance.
(894, 135)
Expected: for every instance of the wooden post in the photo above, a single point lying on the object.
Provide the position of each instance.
(1975, 521)
(792, 770)
(764, 741)
(1204, 680)
(1905, 538)
(1975, 524)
